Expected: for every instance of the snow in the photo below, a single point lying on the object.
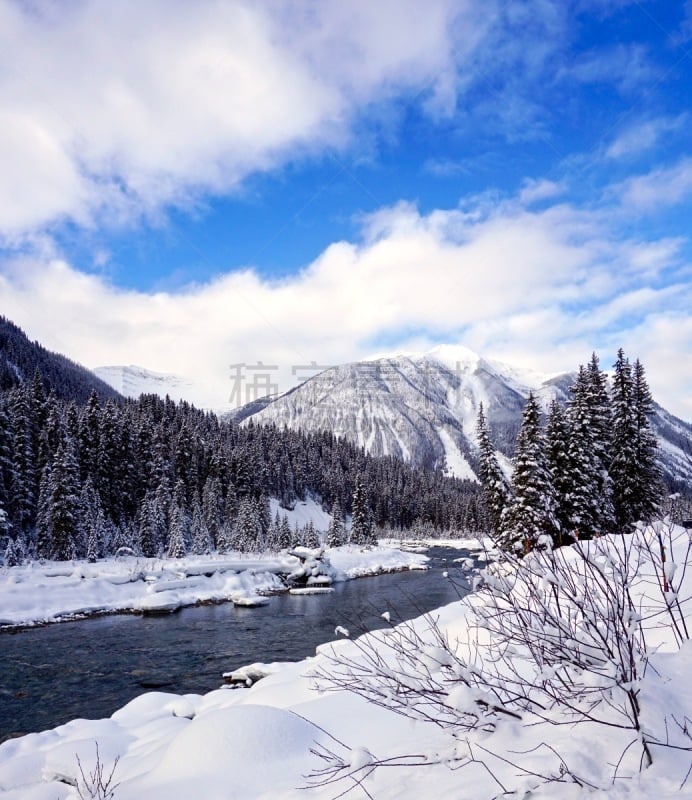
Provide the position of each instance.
(132, 381)
(260, 743)
(302, 513)
(53, 592)
(457, 465)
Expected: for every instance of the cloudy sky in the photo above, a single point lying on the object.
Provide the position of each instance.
(186, 186)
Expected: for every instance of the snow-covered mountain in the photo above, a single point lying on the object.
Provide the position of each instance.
(423, 408)
(132, 381)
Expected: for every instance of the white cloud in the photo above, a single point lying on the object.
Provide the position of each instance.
(661, 187)
(127, 107)
(534, 191)
(643, 136)
(539, 288)
(626, 65)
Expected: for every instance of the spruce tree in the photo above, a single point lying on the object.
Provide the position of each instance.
(5, 456)
(11, 558)
(201, 540)
(42, 532)
(624, 468)
(149, 527)
(212, 508)
(649, 482)
(284, 534)
(362, 529)
(178, 532)
(22, 493)
(588, 511)
(532, 511)
(247, 531)
(311, 538)
(496, 490)
(336, 533)
(557, 452)
(63, 503)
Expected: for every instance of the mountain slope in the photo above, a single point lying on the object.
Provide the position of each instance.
(424, 408)
(20, 358)
(132, 381)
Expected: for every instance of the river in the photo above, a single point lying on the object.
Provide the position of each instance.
(90, 668)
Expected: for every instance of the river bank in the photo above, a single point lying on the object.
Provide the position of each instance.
(41, 593)
(293, 729)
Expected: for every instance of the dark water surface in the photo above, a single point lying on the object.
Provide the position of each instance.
(90, 668)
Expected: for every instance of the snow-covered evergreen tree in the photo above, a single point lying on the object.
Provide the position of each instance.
(624, 469)
(285, 535)
(311, 538)
(201, 540)
(178, 533)
(362, 528)
(531, 513)
(496, 491)
(589, 513)
(247, 531)
(557, 451)
(336, 533)
(62, 515)
(149, 527)
(212, 508)
(11, 558)
(22, 495)
(649, 482)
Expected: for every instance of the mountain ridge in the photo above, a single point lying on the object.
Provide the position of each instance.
(423, 408)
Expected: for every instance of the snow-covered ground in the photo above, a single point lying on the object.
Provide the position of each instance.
(259, 743)
(56, 591)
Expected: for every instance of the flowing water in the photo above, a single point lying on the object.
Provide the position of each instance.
(90, 668)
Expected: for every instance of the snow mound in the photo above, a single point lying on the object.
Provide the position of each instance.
(257, 750)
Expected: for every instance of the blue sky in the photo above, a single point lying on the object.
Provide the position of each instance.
(187, 186)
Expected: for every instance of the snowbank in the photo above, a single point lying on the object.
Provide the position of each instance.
(260, 743)
(52, 592)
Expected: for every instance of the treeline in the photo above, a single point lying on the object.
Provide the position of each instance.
(164, 478)
(590, 470)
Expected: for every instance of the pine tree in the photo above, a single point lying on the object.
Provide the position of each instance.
(336, 533)
(6, 469)
(589, 513)
(63, 503)
(178, 533)
(247, 531)
(201, 540)
(624, 467)
(362, 529)
(11, 558)
(284, 541)
(212, 508)
(601, 423)
(22, 494)
(93, 547)
(311, 538)
(89, 424)
(42, 523)
(149, 527)
(532, 511)
(90, 522)
(557, 451)
(649, 482)
(496, 491)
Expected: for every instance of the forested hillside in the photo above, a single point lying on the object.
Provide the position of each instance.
(21, 359)
(160, 477)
